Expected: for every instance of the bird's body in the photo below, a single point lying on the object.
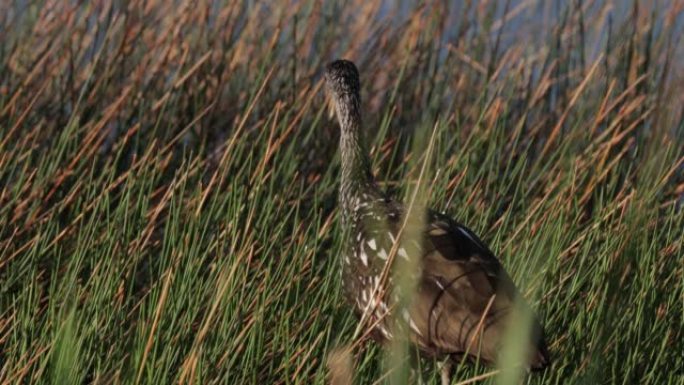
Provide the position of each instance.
(463, 295)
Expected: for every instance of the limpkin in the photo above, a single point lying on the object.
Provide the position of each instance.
(463, 295)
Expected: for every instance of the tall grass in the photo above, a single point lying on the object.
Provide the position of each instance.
(168, 180)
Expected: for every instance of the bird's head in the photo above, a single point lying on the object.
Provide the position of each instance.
(342, 82)
(342, 77)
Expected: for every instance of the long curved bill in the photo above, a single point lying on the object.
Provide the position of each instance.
(331, 105)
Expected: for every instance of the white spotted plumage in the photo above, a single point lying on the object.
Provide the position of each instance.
(446, 252)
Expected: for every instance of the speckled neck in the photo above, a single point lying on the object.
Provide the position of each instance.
(356, 169)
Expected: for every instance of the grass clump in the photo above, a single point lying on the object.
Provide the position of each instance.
(168, 180)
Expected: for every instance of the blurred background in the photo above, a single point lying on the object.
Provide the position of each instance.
(168, 180)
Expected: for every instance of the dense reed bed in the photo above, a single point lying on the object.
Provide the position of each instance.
(168, 176)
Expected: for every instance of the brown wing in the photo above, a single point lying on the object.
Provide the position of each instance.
(464, 296)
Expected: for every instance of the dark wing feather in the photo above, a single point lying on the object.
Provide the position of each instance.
(464, 296)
